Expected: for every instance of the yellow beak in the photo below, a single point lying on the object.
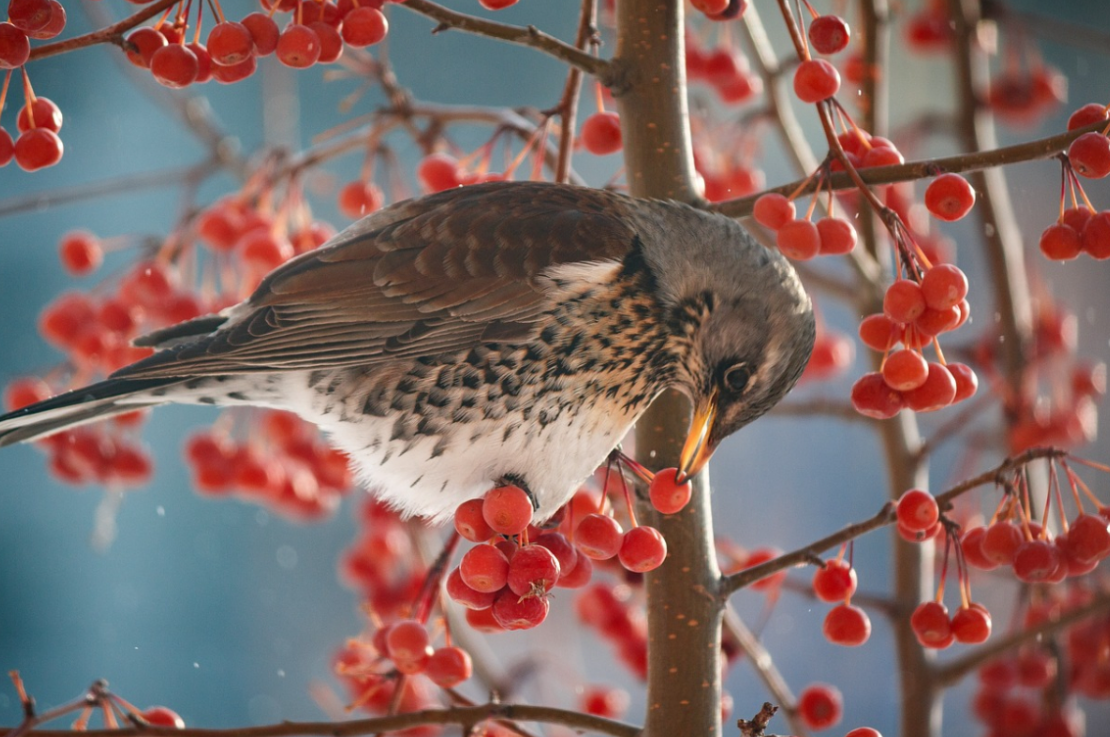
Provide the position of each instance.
(697, 448)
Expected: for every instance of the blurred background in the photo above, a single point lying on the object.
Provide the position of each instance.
(227, 613)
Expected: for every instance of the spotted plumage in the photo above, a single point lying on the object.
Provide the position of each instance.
(505, 330)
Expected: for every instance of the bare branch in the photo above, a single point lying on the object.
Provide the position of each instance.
(466, 716)
(523, 35)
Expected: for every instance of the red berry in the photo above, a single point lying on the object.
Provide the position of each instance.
(38, 148)
(235, 72)
(484, 568)
(331, 44)
(799, 240)
(642, 549)
(81, 252)
(45, 115)
(438, 172)
(967, 383)
(54, 26)
(1096, 235)
(917, 510)
(829, 34)
(905, 369)
(904, 301)
(298, 47)
(773, 210)
(878, 332)
(1089, 114)
(29, 15)
(174, 66)
(264, 33)
(7, 147)
(838, 237)
(835, 581)
(507, 509)
(601, 133)
(972, 624)
(229, 43)
(881, 156)
(710, 7)
(408, 645)
(533, 570)
(816, 80)
(930, 625)
(938, 390)
(448, 667)
(515, 612)
(863, 732)
(364, 26)
(820, 706)
(497, 4)
(1090, 155)
(160, 716)
(24, 392)
(360, 198)
(610, 703)
(1089, 538)
(263, 251)
(15, 49)
(470, 523)
(1001, 541)
(1036, 560)
(1060, 242)
(873, 397)
(943, 286)
(667, 494)
(972, 544)
(204, 62)
(469, 597)
(949, 197)
(846, 625)
(598, 536)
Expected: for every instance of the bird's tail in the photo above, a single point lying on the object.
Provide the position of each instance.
(95, 402)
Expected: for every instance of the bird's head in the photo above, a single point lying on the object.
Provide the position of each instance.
(742, 327)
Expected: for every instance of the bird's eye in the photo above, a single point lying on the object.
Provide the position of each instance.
(736, 377)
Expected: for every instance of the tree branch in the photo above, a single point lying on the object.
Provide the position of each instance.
(466, 716)
(112, 34)
(523, 35)
(1030, 151)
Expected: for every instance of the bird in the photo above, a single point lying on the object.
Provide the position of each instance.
(499, 333)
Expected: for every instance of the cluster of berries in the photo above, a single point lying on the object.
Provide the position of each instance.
(316, 33)
(724, 69)
(914, 314)
(284, 464)
(38, 145)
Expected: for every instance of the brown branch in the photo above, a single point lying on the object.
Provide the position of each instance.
(733, 583)
(949, 673)
(466, 716)
(568, 104)
(523, 35)
(112, 34)
(998, 473)
(1042, 148)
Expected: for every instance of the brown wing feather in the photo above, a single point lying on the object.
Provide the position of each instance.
(432, 275)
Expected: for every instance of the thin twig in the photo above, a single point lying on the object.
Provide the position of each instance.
(568, 105)
(524, 35)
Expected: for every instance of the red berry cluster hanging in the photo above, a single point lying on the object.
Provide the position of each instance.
(315, 33)
(282, 463)
(835, 582)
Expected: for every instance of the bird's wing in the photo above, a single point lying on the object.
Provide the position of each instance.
(434, 275)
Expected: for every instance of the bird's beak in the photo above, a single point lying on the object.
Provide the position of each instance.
(698, 448)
